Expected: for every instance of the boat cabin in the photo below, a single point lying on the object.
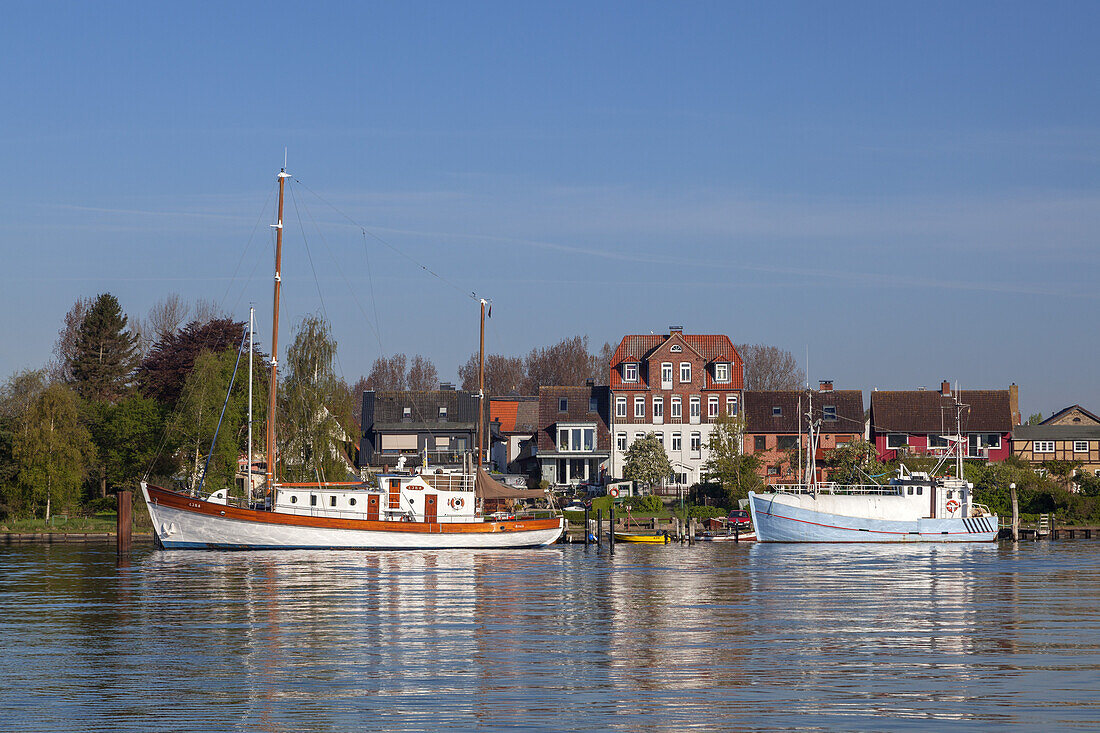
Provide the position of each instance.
(401, 497)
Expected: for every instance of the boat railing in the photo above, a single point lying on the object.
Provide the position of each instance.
(449, 481)
(835, 488)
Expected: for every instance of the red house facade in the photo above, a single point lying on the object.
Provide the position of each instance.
(926, 422)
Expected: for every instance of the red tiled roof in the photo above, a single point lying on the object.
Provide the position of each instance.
(504, 412)
(710, 347)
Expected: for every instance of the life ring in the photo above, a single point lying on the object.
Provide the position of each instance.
(613, 492)
(456, 502)
(952, 506)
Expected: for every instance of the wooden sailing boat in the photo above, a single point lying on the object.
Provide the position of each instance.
(405, 510)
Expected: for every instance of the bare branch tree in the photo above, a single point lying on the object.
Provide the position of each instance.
(208, 310)
(167, 316)
(388, 373)
(60, 365)
(769, 367)
(503, 374)
(422, 375)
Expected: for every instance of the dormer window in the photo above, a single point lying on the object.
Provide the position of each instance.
(442, 413)
(722, 372)
(406, 412)
(630, 371)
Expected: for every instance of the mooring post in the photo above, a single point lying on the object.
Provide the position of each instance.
(691, 531)
(611, 537)
(122, 534)
(1015, 513)
(587, 527)
(599, 526)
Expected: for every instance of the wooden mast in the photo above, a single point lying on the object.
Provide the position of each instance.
(481, 393)
(272, 394)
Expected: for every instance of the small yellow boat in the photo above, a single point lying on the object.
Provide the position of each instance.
(654, 539)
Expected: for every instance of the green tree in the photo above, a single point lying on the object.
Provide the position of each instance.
(646, 462)
(1062, 471)
(127, 437)
(16, 395)
(312, 440)
(52, 448)
(104, 359)
(735, 470)
(1034, 419)
(196, 418)
(853, 462)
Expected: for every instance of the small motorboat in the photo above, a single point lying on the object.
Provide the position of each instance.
(661, 538)
(747, 536)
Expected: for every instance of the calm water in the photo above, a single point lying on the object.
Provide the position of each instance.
(655, 638)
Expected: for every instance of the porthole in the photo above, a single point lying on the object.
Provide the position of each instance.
(293, 498)
(351, 501)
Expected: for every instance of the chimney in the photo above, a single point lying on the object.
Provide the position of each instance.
(1014, 403)
(945, 388)
(825, 385)
(590, 382)
(675, 329)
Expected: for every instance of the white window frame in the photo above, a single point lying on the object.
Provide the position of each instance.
(677, 442)
(722, 372)
(891, 436)
(696, 442)
(620, 441)
(666, 375)
(630, 371)
(685, 372)
(712, 405)
(1043, 446)
(696, 408)
(639, 406)
(620, 406)
(1080, 446)
(677, 411)
(828, 412)
(731, 405)
(660, 438)
(658, 409)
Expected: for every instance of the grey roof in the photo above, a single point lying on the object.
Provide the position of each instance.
(1056, 432)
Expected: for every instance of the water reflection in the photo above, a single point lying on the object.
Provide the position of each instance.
(650, 638)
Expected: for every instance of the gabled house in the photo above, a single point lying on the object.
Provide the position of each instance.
(407, 423)
(574, 443)
(1071, 434)
(775, 427)
(923, 421)
(674, 385)
(516, 419)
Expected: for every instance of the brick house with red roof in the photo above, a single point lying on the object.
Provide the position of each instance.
(674, 385)
(924, 421)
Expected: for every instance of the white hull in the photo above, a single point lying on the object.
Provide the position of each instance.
(803, 518)
(180, 528)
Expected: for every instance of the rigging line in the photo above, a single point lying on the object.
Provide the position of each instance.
(248, 246)
(397, 250)
(373, 301)
(309, 256)
(343, 274)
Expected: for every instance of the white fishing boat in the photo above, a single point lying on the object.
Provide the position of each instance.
(403, 510)
(912, 507)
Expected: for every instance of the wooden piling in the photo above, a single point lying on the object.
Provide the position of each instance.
(124, 523)
(1015, 513)
(611, 537)
(599, 527)
(587, 527)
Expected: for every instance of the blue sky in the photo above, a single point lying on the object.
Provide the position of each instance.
(909, 194)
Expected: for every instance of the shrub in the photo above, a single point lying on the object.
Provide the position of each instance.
(645, 504)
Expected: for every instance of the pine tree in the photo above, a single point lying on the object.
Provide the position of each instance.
(103, 364)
